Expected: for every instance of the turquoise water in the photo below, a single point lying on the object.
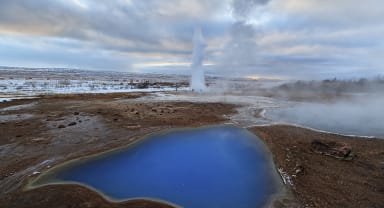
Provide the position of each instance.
(217, 166)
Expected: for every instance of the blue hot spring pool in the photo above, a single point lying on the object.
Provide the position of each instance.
(215, 166)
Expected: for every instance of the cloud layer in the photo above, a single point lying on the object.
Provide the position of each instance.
(278, 38)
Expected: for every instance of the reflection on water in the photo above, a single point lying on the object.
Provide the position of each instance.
(217, 166)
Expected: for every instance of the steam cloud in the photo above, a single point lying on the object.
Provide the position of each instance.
(242, 50)
(361, 116)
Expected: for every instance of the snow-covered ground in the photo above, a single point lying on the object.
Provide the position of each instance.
(38, 87)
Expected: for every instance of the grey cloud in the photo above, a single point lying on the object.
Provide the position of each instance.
(140, 22)
(295, 37)
(85, 58)
(327, 38)
(326, 15)
(242, 8)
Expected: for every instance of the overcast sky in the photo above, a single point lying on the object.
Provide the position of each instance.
(261, 38)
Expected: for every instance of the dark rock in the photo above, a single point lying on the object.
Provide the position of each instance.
(76, 113)
(334, 149)
(299, 169)
(19, 124)
(72, 124)
(61, 126)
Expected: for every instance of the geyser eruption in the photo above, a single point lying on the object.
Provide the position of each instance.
(197, 80)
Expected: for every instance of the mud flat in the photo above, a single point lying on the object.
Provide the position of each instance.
(65, 127)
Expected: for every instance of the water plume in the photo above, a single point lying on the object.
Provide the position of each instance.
(197, 78)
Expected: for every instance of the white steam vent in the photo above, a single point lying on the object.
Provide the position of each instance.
(198, 79)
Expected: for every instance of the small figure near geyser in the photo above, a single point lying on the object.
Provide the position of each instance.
(197, 80)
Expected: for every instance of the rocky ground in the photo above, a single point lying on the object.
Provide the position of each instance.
(64, 127)
(320, 170)
(327, 170)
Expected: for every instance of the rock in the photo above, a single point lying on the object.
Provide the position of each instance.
(61, 126)
(20, 124)
(76, 113)
(334, 149)
(72, 124)
(299, 169)
(257, 113)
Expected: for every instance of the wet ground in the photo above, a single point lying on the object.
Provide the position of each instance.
(59, 128)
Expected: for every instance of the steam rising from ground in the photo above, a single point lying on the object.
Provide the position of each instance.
(362, 115)
(352, 107)
(342, 106)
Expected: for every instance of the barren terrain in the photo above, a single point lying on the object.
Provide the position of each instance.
(319, 178)
(37, 134)
(70, 126)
